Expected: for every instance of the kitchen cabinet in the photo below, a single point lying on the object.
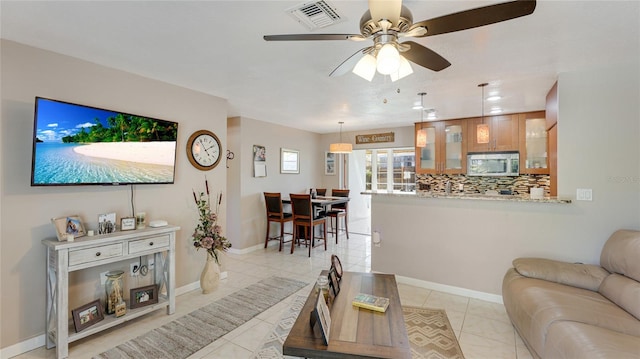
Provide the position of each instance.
(446, 150)
(503, 133)
(534, 157)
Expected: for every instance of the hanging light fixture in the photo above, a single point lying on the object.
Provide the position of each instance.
(421, 135)
(482, 130)
(340, 147)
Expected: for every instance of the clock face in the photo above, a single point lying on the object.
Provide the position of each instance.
(203, 150)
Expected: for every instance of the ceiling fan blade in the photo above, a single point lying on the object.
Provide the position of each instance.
(425, 57)
(385, 10)
(481, 16)
(348, 64)
(307, 37)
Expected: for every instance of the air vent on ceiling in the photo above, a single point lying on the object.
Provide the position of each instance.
(315, 14)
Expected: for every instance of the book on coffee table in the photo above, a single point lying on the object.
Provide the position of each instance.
(372, 302)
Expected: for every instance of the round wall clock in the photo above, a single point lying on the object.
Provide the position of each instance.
(203, 150)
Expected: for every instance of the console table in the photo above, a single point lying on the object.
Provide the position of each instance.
(86, 252)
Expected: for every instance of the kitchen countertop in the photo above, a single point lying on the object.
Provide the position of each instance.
(470, 196)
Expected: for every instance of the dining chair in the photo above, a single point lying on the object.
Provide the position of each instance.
(304, 218)
(340, 210)
(321, 191)
(273, 203)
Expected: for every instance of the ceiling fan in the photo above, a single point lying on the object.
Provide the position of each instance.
(388, 21)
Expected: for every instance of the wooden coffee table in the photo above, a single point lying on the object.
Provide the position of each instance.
(355, 332)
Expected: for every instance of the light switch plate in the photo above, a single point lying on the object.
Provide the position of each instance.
(584, 194)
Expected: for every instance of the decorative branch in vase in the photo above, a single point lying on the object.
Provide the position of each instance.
(208, 233)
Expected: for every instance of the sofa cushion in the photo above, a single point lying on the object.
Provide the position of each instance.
(534, 305)
(579, 275)
(621, 252)
(578, 340)
(623, 291)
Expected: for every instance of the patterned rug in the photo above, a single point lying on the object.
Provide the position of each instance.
(429, 331)
(192, 332)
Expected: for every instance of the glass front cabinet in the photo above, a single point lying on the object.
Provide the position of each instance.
(445, 151)
(533, 143)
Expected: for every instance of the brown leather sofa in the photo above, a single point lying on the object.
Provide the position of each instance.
(573, 310)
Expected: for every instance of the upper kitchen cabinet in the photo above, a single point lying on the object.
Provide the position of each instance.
(503, 134)
(534, 157)
(445, 151)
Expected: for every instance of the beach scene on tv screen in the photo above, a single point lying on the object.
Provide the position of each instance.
(84, 145)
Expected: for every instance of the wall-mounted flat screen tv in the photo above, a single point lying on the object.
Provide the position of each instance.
(82, 145)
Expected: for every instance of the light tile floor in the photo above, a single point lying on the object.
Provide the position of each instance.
(483, 328)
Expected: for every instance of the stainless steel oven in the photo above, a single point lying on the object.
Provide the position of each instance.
(493, 164)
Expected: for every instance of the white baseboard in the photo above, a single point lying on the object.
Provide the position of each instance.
(39, 341)
(450, 289)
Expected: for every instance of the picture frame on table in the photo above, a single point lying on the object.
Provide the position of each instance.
(68, 226)
(337, 265)
(87, 315)
(334, 282)
(143, 296)
(329, 163)
(289, 161)
(323, 318)
(106, 223)
(127, 223)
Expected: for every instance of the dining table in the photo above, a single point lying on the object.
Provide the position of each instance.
(321, 203)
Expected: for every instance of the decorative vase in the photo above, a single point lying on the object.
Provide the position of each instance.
(210, 276)
(114, 291)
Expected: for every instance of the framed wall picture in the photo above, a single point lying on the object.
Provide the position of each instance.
(106, 223)
(68, 226)
(87, 315)
(127, 223)
(142, 296)
(259, 161)
(329, 163)
(289, 161)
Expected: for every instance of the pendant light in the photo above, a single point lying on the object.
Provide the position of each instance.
(421, 135)
(340, 147)
(482, 130)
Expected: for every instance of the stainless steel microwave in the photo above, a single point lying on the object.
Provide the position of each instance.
(493, 164)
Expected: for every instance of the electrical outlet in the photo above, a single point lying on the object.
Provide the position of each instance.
(151, 263)
(134, 269)
(584, 194)
(103, 278)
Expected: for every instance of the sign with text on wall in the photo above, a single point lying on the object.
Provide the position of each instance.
(375, 138)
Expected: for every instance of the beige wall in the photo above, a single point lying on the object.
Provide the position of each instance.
(470, 244)
(25, 211)
(246, 191)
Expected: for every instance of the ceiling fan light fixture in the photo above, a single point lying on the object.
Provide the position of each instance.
(366, 67)
(388, 60)
(403, 70)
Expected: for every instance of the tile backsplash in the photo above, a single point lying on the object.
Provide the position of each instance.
(518, 185)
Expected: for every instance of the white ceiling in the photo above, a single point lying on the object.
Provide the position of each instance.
(216, 47)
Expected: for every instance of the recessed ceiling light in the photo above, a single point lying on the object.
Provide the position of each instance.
(495, 110)
(494, 98)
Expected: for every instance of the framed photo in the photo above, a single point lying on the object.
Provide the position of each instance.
(329, 163)
(334, 282)
(289, 161)
(87, 315)
(106, 223)
(69, 225)
(127, 223)
(323, 318)
(337, 265)
(140, 297)
(259, 161)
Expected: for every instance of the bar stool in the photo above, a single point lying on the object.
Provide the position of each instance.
(273, 202)
(340, 210)
(303, 217)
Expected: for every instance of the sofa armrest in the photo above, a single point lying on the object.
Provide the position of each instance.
(586, 276)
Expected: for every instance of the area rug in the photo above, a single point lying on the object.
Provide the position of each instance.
(192, 332)
(429, 331)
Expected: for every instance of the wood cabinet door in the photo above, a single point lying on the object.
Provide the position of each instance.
(504, 133)
(534, 146)
(427, 157)
(472, 135)
(454, 147)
